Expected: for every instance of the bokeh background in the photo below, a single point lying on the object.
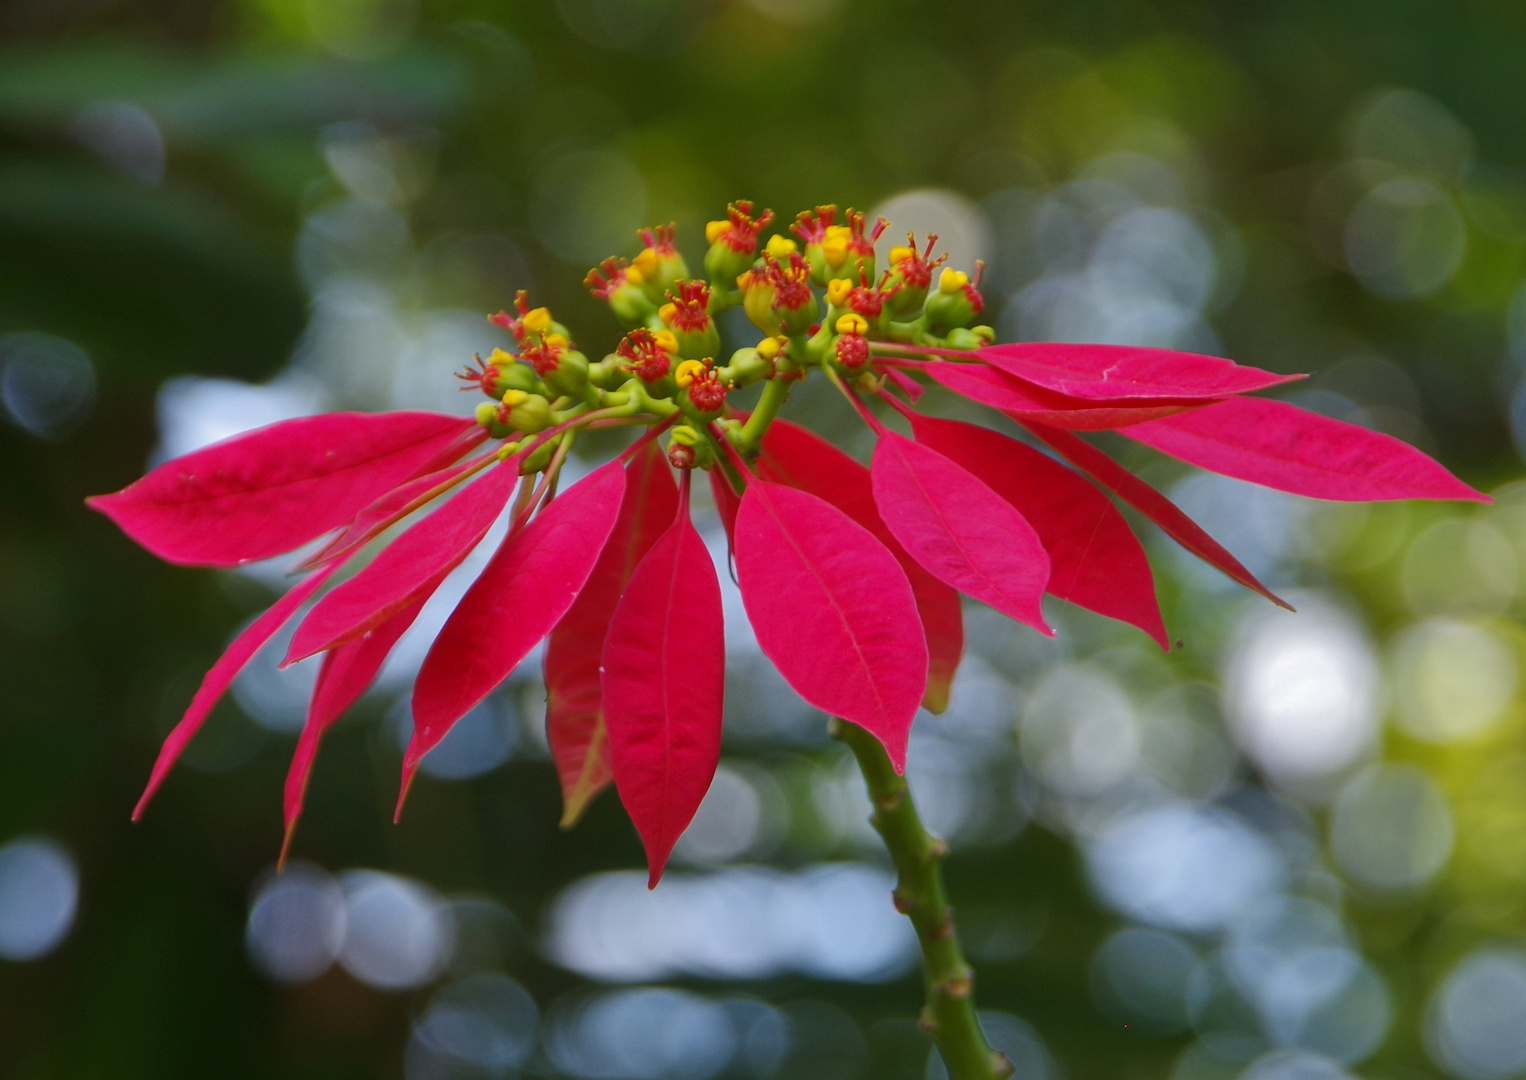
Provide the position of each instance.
(1292, 849)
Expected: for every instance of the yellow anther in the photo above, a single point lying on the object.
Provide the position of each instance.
(646, 263)
(500, 358)
(666, 313)
(538, 321)
(714, 230)
(900, 253)
(838, 290)
(852, 323)
(834, 246)
(779, 246)
(688, 371)
(512, 398)
(769, 348)
(951, 280)
(634, 276)
(666, 340)
(556, 341)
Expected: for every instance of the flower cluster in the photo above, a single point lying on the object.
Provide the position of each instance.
(852, 575)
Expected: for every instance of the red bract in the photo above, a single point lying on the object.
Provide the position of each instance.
(575, 720)
(1122, 372)
(267, 491)
(1026, 401)
(528, 586)
(1097, 562)
(833, 610)
(797, 457)
(664, 679)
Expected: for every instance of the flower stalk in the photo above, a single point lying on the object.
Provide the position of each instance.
(949, 1014)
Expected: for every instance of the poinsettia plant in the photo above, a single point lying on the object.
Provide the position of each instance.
(853, 576)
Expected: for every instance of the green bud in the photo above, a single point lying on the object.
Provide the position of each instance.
(571, 375)
(746, 366)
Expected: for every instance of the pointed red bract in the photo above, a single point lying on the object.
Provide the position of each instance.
(961, 531)
(1096, 560)
(1152, 504)
(664, 683)
(1017, 398)
(268, 491)
(407, 567)
(221, 675)
(1120, 372)
(833, 610)
(1282, 446)
(800, 458)
(392, 507)
(575, 721)
(346, 673)
(528, 586)
(906, 384)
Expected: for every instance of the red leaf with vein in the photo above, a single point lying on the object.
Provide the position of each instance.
(528, 586)
(268, 491)
(664, 682)
(1096, 560)
(221, 675)
(391, 508)
(1001, 391)
(1120, 372)
(1282, 446)
(403, 569)
(575, 723)
(1155, 506)
(346, 673)
(961, 531)
(833, 610)
(802, 459)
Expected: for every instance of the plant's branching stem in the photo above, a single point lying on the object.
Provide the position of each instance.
(949, 1014)
(775, 393)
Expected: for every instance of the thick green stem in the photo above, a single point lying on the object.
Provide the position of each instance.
(775, 393)
(949, 1014)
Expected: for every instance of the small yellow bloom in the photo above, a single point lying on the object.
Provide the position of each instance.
(556, 341)
(838, 290)
(666, 313)
(852, 323)
(666, 340)
(500, 358)
(634, 276)
(538, 321)
(646, 263)
(900, 253)
(769, 348)
(688, 371)
(512, 398)
(714, 230)
(779, 246)
(951, 280)
(834, 246)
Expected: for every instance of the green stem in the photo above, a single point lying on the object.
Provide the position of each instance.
(775, 393)
(949, 1014)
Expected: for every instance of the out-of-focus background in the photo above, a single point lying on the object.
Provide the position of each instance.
(1292, 849)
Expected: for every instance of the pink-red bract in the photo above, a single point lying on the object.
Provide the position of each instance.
(664, 682)
(268, 491)
(833, 610)
(961, 531)
(391, 508)
(1017, 398)
(1096, 560)
(221, 675)
(1282, 446)
(800, 458)
(525, 590)
(1120, 372)
(410, 566)
(1152, 504)
(575, 723)
(346, 673)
